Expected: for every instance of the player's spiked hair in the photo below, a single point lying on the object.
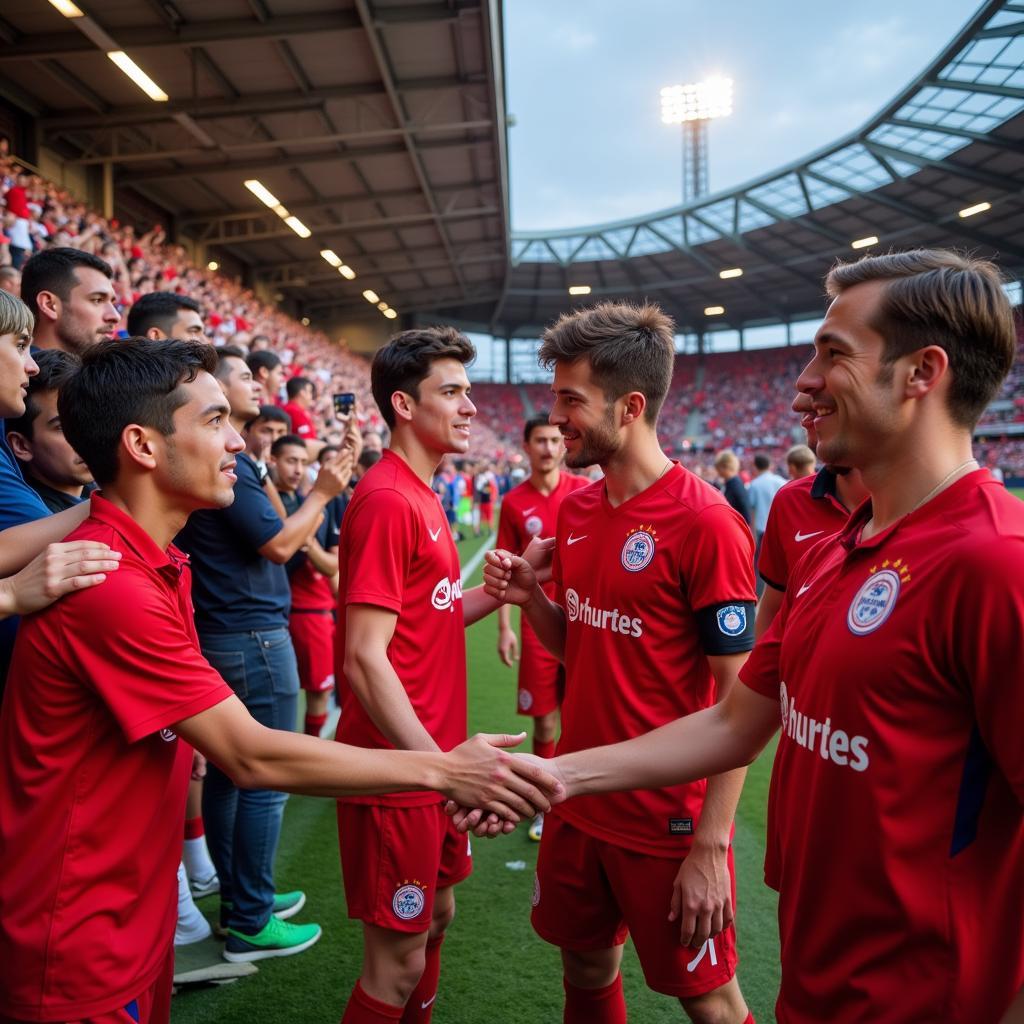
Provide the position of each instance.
(940, 297)
(630, 347)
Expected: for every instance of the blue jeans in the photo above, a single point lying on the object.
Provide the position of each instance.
(243, 825)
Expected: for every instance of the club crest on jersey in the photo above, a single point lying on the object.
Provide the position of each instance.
(875, 600)
(533, 525)
(408, 901)
(638, 550)
(732, 620)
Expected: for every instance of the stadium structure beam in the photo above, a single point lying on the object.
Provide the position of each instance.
(1015, 28)
(61, 74)
(1012, 92)
(291, 276)
(371, 134)
(208, 107)
(228, 30)
(248, 168)
(995, 141)
(386, 73)
(975, 174)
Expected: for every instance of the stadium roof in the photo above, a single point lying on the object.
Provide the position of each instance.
(381, 125)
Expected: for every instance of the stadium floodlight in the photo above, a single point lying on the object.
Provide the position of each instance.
(138, 76)
(262, 193)
(331, 256)
(579, 289)
(298, 227)
(68, 9)
(383, 306)
(213, 265)
(697, 101)
(346, 272)
(970, 211)
(371, 296)
(863, 243)
(714, 310)
(725, 275)
(391, 314)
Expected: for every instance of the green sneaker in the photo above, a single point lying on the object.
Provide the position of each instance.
(286, 904)
(277, 938)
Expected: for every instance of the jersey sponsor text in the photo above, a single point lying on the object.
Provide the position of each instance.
(835, 745)
(601, 618)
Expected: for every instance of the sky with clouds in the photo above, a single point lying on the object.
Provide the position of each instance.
(584, 76)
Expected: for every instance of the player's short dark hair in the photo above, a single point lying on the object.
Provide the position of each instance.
(120, 382)
(223, 354)
(53, 270)
(941, 297)
(630, 347)
(262, 359)
(55, 366)
(288, 439)
(761, 462)
(158, 309)
(272, 414)
(540, 420)
(295, 385)
(406, 360)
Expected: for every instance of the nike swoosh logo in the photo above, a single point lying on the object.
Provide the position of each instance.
(527, 511)
(423, 1006)
(575, 540)
(804, 588)
(798, 536)
(434, 534)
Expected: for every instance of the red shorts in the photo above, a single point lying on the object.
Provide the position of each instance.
(590, 894)
(313, 640)
(153, 1006)
(486, 513)
(541, 677)
(394, 859)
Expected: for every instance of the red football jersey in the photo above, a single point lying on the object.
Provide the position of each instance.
(896, 817)
(632, 580)
(804, 512)
(93, 781)
(397, 552)
(302, 422)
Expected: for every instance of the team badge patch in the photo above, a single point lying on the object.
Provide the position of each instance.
(533, 525)
(875, 600)
(408, 902)
(525, 700)
(536, 891)
(732, 620)
(572, 604)
(638, 550)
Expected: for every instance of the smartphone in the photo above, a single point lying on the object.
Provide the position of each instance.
(344, 404)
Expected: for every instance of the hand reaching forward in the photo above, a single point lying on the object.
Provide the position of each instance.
(479, 773)
(60, 569)
(510, 578)
(702, 896)
(540, 553)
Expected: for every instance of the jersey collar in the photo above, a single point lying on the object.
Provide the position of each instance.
(135, 537)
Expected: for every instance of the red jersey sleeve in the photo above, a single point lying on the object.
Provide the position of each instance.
(507, 540)
(717, 560)
(379, 538)
(761, 671)
(148, 670)
(771, 564)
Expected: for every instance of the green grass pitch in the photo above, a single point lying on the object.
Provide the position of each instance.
(495, 970)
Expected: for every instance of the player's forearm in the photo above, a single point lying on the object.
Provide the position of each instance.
(548, 622)
(20, 544)
(477, 605)
(297, 527)
(504, 617)
(383, 697)
(767, 608)
(323, 561)
(719, 810)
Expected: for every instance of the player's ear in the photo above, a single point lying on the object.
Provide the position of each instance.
(928, 366)
(139, 444)
(634, 404)
(402, 403)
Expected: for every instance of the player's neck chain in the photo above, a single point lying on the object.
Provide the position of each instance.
(947, 479)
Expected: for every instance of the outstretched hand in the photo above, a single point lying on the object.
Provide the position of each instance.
(481, 774)
(60, 569)
(509, 578)
(701, 898)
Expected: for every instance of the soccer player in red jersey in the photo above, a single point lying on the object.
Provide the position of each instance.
(107, 691)
(655, 575)
(897, 805)
(527, 511)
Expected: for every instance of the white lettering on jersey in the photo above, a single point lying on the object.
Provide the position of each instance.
(798, 536)
(709, 949)
(835, 745)
(601, 618)
(446, 593)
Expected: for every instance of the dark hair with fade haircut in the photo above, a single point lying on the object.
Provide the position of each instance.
(288, 439)
(406, 360)
(134, 380)
(295, 385)
(271, 413)
(222, 355)
(262, 359)
(55, 366)
(158, 309)
(534, 423)
(53, 270)
(629, 347)
(941, 297)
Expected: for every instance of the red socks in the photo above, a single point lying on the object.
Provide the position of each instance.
(750, 1019)
(595, 1005)
(544, 748)
(364, 1009)
(421, 1003)
(314, 723)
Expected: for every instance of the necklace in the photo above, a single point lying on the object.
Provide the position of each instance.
(942, 483)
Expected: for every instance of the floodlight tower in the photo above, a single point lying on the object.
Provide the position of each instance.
(693, 106)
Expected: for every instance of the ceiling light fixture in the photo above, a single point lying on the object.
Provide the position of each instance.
(579, 289)
(371, 296)
(725, 275)
(714, 310)
(391, 314)
(863, 243)
(331, 256)
(970, 211)
(138, 76)
(68, 9)
(213, 265)
(298, 227)
(346, 272)
(262, 193)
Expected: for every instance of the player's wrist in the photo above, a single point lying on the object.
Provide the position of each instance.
(712, 842)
